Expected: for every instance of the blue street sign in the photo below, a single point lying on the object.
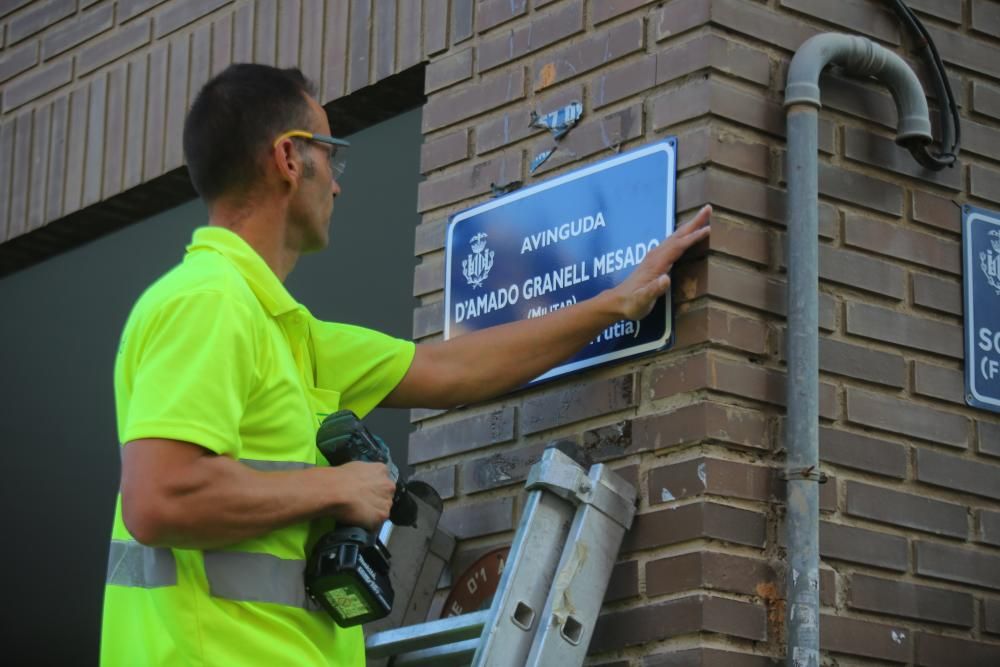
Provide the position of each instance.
(560, 242)
(981, 264)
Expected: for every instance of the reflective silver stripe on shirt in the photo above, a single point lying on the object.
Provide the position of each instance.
(139, 566)
(275, 466)
(257, 577)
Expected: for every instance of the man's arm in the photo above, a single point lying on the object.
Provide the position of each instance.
(485, 363)
(181, 495)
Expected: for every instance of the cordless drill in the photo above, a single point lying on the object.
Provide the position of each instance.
(348, 570)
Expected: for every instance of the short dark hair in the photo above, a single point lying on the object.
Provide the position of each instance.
(235, 116)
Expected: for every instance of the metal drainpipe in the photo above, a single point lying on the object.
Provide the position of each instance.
(862, 57)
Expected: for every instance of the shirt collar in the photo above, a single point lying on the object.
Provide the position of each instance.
(265, 284)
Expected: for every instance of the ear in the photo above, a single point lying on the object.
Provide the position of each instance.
(287, 162)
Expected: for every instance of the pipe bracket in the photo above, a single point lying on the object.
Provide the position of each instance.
(809, 473)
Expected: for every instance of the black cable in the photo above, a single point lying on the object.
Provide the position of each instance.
(951, 131)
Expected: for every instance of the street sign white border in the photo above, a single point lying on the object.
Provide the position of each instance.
(973, 398)
(668, 146)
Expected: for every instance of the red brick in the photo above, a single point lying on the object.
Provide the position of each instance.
(156, 114)
(8, 6)
(435, 26)
(988, 438)
(858, 189)
(937, 211)
(967, 52)
(863, 363)
(907, 418)
(744, 197)
(938, 294)
(986, 99)
(980, 139)
(750, 19)
(479, 519)
(409, 23)
(862, 452)
(429, 236)
(702, 422)
(948, 11)
(714, 52)
(712, 145)
(623, 81)
(906, 510)
(17, 60)
(115, 131)
(695, 521)
(288, 41)
(385, 32)
(176, 15)
(934, 381)
(707, 371)
(545, 29)
(500, 469)
(129, 9)
(986, 18)
(461, 20)
(941, 561)
(118, 44)
(466, 434)
(858, 270)
(988, 527)
(577, 401)
(743, 287)
(890, 326)
(470, 182)
(78, 103)
(654, 622)
(36, 83)
(96, 144)
(6, 159)
(201, 57)
(708, 570)
(857, 545)
(243, 35)
(991, 616)
(448, 71)
(583, 56)
(87, 25)
(493, 91)
(959, 474)
(984, 183)
(56, 161)
(335, 37)
(711, 96)
(706, 476)
(491, 13)
(18, 216)
(856, 15)
(721, 328)
(441, 480)
(37, 18)
(624, 582)
(898, 598)
(444, 150)
(861, 637)
(40, 134)
(177, 85)
(938, 651)
(428, 320)
(609, 9)
(882, 152)
(901, 243)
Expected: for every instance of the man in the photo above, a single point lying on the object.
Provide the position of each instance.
(222, 379)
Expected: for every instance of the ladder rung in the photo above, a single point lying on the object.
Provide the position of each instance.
(432, 634)
(451, 655)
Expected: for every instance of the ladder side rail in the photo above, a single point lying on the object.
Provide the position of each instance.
(577, 593)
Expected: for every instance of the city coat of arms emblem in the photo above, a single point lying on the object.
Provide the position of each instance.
(476, 267)
(989, 261)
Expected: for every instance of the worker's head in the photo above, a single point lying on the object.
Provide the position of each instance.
(257, 132)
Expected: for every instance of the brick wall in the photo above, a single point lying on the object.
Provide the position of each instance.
(910, 521)
(92, 99)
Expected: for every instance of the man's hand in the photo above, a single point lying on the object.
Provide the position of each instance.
(367, 494)
(649, 281)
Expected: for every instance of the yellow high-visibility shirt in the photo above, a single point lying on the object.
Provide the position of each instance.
(217, 353)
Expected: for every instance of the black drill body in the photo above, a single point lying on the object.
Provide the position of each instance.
(348, 571)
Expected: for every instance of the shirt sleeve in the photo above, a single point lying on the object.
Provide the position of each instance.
(192, 372)
(364, 366)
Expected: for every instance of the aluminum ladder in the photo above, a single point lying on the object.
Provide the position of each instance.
(553, 583)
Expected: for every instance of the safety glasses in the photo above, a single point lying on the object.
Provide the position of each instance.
(338, 148)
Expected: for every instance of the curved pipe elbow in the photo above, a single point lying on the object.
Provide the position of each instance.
(861, 57)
